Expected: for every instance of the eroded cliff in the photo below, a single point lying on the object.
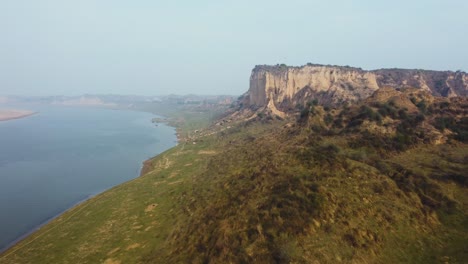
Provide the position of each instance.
(282, 88)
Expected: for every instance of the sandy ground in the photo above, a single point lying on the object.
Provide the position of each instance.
(7, 114)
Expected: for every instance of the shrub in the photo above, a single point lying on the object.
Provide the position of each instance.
(402, 114)
(338, 123)
(422, 106)
(304, 113)
(319, 154)
(365, 113)
(442, 123)
(388, 109)
(419, 118)
(460, 127)
(328, 119)
(313, 102)
(443, 105)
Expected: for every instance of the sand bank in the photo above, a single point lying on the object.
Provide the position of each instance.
(8, 114)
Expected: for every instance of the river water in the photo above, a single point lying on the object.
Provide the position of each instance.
(63, 155)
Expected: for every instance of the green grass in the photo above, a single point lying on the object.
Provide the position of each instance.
(186, 118)
(121, 223)
(115, 225)
(270, 191)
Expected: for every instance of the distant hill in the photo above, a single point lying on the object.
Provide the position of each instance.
(84, 101)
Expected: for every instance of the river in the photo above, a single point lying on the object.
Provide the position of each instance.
(52, 160)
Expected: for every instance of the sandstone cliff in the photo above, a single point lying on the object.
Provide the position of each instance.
(281, 88)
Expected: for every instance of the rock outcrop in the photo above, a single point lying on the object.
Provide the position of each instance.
(282, 88)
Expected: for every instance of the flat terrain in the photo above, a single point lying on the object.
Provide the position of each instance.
(9, 114)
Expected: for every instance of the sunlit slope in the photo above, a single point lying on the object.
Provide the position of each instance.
(270, 192)
(292, 196)
(380, 181)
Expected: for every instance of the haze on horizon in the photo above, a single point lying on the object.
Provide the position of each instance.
(53, 47)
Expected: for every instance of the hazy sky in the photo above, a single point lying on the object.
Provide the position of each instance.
(150, 47)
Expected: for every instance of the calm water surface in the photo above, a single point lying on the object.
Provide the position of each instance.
(63, 155)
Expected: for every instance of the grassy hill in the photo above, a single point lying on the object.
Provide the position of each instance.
(364, 183)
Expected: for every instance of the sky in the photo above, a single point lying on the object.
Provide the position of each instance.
(151, 47)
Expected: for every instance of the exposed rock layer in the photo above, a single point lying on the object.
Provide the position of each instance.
(282, 87)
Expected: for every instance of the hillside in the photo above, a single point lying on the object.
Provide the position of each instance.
(378, 180)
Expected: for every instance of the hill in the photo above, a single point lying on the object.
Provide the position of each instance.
(378, 180)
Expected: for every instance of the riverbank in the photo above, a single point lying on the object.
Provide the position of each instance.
(185, 120)
(115, 143)
(145, 206)
(9, 114)
(45, 222)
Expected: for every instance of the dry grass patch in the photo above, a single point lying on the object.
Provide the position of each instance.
(113, 251)
(207, 152)
(150, 207)
(112, 261)
(133, 246)
(176, 182)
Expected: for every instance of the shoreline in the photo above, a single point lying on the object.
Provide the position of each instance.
(6, 115)
(45, 222)
(145, 164)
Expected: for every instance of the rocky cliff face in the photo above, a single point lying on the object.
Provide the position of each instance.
(281, 88)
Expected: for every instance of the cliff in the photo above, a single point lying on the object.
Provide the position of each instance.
(282, 88)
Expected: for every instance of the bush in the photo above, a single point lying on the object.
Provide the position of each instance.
(328, 119)
(304, 113)
(422, 106)
(442, 123)
(388, 109)
(365, 113)
(338, 123)
(313, 102)
(443, 105)
(319, 154)
(403, 114)
(460, 127)
(419, 118)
